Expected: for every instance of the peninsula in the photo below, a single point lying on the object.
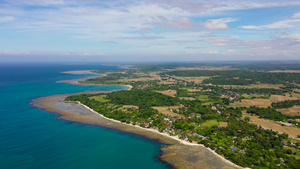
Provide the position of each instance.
(246, 118)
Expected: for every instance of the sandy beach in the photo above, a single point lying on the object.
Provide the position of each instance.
(178, 153)
(79, 72)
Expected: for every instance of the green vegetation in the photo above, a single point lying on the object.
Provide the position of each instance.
(286, 104)
(210, 123)
(141, 98)
(241, 142)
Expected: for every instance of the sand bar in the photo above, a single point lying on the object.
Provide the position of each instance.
(79, 72)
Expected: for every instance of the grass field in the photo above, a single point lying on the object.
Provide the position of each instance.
(251, 96)
(100, 98)
(210, 123)
(204, 98)
(167, 82)
(168, 92)
(207, 103)
(252, 102)
(166, 110)
(295, 110)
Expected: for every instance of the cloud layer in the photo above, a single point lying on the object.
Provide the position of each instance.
(149, 28)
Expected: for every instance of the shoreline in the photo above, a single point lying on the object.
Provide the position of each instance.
(164, 134)
(174, 143)
(76, 81)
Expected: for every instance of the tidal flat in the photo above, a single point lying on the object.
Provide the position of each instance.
(176, 154)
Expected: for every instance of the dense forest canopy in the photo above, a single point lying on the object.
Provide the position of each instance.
(141, 98)
(285, 104)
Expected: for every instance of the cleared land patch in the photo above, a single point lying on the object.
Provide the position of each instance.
(168, 92)
(273, 86)
(167, 82)
(194, 90)
(192, 79)
(187, 98)
(253, 102)
(202, 68)
(223, 124)
(295, 110)
(279, 98)
(285, 71)
(166, 110)
(130, 107)
(294, 131)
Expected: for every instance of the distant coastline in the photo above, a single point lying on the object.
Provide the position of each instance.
(73, 112)
(76, 81)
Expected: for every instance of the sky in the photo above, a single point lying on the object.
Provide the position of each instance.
(148, 30)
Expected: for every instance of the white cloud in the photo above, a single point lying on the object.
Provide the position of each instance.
(223, 41)
(182, 23)
(216, 24)
(7, 19)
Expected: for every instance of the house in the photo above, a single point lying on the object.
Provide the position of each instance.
(233, 149)
(169, 125)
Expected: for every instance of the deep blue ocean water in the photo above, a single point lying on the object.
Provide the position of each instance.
(32, 138)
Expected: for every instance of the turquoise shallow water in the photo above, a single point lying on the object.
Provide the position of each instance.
(33, 138)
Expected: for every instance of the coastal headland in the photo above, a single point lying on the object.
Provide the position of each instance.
(202, 118)
(177, 153)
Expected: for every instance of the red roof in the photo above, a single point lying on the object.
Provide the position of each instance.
(163, 121)
(192, 113)
(178, 117)
(186, 118)
(239, 130)
(168, 125)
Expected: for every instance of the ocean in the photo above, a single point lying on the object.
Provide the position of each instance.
(33, 138)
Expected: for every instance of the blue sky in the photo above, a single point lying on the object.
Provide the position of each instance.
(149, 30)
